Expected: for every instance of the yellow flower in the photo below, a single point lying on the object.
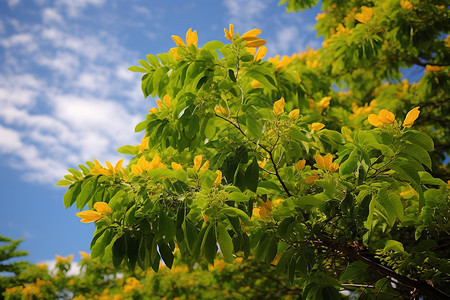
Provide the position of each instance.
(159, 103)
(312, 103)
(278, 106)
(176, 166)
(143, 165)
(131, 284)
(260, 53)
(229, 34)
(191, 38)
(205, 166)
(312, 178)
(383, 117)
(365, 15)
(197, 162)
(326, 162)
(219, 178)
(276, 259)
(386, 116)
(167, 100)
(41, 266)
(405, 4)
(153, 110)
(60, 259)
(412, 115)
(300, 164)
(220, 110)
(88, 216)
(252, 41)
(317, 126)
(84, 255)
(262, 164)
(264, 211)
(174, 53)
(434, 69)
(110, 171)
(277, 202)
(324, 103)
(294, 114)
(144, 144)
(256, 84)
(280, 64)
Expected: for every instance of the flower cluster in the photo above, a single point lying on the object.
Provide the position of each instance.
(102, 209)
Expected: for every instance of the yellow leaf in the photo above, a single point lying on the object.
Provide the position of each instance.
(300, 164)
(256, 84)
(191, 37)
(251, 34)
(102, 207)
(219, 178)
(278, 106)
(178, 40)
(176, 166)
(294, 114)
(260, 53)
(152, 110)
(375, 120)
(412, 115)
(317, 126)
(197, 162)
(229, 34)
(88, 216)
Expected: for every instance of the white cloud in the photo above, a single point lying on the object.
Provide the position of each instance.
(74, 270)
(62, 94)
(13, 3)
(74, 8)
(50, 15)
(245, 14)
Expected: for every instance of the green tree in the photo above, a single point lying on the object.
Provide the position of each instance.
(269, 161)
(9, 267)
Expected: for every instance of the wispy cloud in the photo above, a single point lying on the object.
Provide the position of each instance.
(245, 14)
(66, 95)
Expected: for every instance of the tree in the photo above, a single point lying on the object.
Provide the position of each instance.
(7, 267)
(306, 163)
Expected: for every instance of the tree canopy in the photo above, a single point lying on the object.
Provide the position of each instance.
(325, 167)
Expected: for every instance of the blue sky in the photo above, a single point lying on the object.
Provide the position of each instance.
(66, 95)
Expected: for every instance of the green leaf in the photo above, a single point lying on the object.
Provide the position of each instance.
(419, 138)
(252, 175)
(427, 178)
(87, 191)
(154, 61)
(213, 45)
(64, 182)
(209, 247)
(231, 75)
(98, 248)
(419, 153)
(356, 269)
(394, 245)
(348, 166)
(166, 254)
(141, 126)
(225, 243)
(118, 251)
(308, 200)
(128, 149)
(238, 197)
(391, 203)
(138, 69)
(72, 193)
(131, 251)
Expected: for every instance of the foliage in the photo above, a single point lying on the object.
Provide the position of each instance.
(303, 162)
(9, 267)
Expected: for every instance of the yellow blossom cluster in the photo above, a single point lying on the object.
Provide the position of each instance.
(102, 209)
(250, 37)
(405, 4)
(198, 162)
(62, 260)
(166, 102)
(131, 283)
(365, 15)
(362, 110)
(433, 69)
(326, 162)
(386, 117)
(280, 63)
(143, 165)
(110, 171)
(264, 211)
